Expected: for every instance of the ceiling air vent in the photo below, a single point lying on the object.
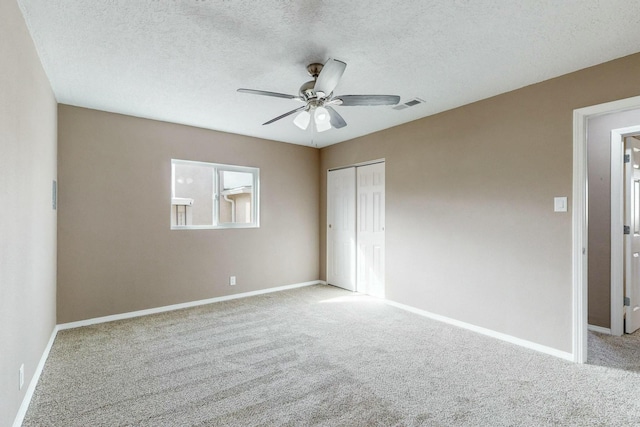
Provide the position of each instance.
(414, 101)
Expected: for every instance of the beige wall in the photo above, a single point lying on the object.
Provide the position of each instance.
(27, 220)
(599, 260)
(471, 233)
(116, 251)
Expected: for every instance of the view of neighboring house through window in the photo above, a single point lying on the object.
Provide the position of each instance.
(212, 195)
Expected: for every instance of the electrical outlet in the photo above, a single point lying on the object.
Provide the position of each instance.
(21, 376)
(232, 280)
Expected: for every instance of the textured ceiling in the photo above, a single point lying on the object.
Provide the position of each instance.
(182, 60)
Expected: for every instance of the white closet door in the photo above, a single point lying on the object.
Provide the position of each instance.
(341, 228)
(370, 225)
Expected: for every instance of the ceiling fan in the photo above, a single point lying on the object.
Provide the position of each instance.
(317, 96)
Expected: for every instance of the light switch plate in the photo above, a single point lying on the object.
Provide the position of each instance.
(559, 204)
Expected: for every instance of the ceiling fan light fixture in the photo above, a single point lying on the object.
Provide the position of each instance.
(321, 127)
(322, 119)
(302, 120)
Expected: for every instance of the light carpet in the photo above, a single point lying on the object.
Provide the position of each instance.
(320, 356)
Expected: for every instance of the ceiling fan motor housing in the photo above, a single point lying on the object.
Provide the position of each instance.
(307, 91)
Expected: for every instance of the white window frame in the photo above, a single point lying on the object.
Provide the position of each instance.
(216, 168)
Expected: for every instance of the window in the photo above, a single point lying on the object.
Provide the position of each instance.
(211, 195)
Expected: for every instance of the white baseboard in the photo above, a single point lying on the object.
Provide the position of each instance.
(34, 381)
(172, 307)
(599, 329)
(488, 332)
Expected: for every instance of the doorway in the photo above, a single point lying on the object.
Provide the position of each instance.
(606, 170)
(580, 225)
(356, 228)
(625, 230)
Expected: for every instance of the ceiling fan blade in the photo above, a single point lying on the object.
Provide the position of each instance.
(266, 93)
(285, 115)
(329, 76)
(367, 100)
(336, 119)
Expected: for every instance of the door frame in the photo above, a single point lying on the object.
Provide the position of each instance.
(580, 219)
(326, 232)
(617, 222)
